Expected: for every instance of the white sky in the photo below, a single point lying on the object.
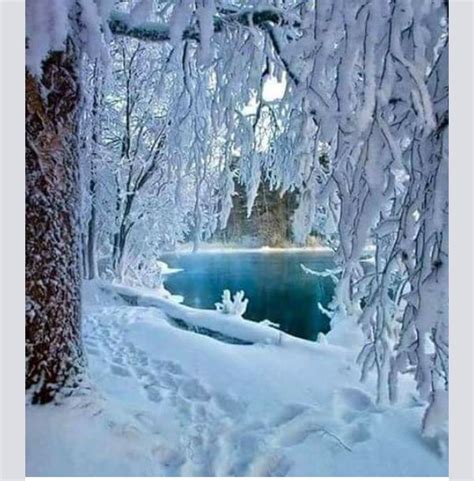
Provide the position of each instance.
(272, 90)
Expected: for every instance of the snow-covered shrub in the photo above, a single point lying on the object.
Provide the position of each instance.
(236, 306)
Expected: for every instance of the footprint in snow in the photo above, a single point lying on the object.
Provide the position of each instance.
(244, 449)
(359, 433)
(120, 370)
(153, 394)
(142, 359)
(146, 420)
(288, 413)
(118, 360)
(192, 389)
(167, 456)
(354, 399)
(273, 463)
(142, 373)
(231, 406)
(131, 346)
(167, 382)
(170, 367)
(90, 342)
(92, 351)
(173, 368)
(351, 403)
(182, 405)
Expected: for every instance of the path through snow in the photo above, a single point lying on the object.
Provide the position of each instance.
(170, 402)
(217, 437)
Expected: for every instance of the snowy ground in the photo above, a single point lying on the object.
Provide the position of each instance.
(171, 402)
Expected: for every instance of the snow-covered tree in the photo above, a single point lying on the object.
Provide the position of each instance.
(57, 35)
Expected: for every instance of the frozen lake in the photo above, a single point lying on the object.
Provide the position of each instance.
(275, 284)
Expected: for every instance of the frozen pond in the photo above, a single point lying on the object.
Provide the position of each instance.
(274, 282)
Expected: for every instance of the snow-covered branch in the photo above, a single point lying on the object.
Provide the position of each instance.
(122, 24)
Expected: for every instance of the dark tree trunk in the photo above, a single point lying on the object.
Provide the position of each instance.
(90, 250)
(54, 355)
(90, 271)
(92, 231)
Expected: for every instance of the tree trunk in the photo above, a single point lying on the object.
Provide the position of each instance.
(91, 272)
(90, 252)
(54, 354)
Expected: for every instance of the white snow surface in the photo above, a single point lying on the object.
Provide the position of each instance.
(165, 401)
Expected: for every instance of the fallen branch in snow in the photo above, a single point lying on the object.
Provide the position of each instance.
(337, 439)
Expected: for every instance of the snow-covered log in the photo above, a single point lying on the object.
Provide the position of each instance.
(231, 325)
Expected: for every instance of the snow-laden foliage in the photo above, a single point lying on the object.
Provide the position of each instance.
(359, 131)
(49, 23)
(235, 305)
(134, 199)
(150, 179)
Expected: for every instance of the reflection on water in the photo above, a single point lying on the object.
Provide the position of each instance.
(274, 282)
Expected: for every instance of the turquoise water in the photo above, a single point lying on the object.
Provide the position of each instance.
(274, 283)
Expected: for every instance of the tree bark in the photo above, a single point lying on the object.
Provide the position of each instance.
(54, 354)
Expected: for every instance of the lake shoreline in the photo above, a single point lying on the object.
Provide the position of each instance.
(231, 248)
(214, 249)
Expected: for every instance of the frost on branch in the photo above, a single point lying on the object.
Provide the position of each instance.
(236, 306)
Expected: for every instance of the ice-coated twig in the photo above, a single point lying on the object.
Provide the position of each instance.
(236, 306)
